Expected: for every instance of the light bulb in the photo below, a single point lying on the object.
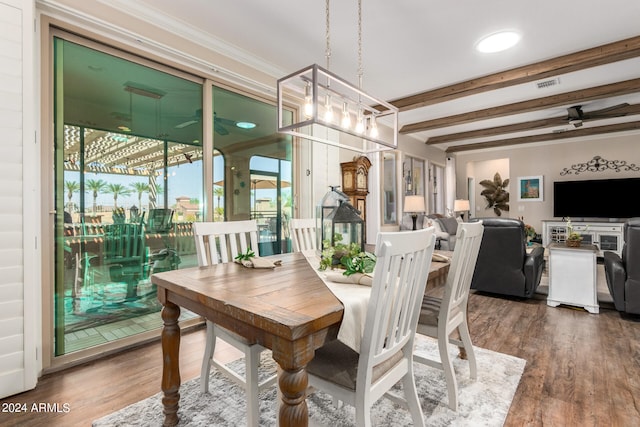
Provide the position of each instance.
(328, 109)
(308, 102)
(359, 122)
(346, 118)
(373, 132)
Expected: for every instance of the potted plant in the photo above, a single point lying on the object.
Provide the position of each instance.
(530, 232)
(573, 238)
(347, 257)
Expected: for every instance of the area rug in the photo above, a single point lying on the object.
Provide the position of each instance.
(484, 402)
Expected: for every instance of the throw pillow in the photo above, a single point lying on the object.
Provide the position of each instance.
(449, 224)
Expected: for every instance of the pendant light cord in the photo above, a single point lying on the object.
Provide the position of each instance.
(327, 51)
(360, 67)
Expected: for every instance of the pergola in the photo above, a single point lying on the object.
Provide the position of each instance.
(100, 151)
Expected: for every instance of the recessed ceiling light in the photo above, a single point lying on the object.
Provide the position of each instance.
(245, 125)
(497, 42)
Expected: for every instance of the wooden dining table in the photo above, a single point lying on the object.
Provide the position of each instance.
(287, 309)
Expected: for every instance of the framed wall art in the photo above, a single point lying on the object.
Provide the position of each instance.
(530, 189)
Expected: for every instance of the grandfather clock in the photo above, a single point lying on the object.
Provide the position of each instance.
(355, 182)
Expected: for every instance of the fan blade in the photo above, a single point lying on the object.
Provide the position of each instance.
(226, 122)
(185, 124)
(219, 129)
(608, 112)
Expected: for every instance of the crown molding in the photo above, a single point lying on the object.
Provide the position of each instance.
(168, 23)
(111, 30)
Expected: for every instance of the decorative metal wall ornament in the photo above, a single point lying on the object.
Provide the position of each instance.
(598, 164)
(495, 194)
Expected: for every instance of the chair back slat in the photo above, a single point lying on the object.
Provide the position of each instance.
(221, 242)
(160, 220)
(465, 255)
(123, 241)
(303, 234)
(399, 281)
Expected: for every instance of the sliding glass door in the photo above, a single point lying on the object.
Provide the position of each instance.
(129, 180)
(128, 185)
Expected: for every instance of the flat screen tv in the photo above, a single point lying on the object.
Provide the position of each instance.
(600, 198)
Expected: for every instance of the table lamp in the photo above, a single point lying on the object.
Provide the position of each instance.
(414, 205)
(461, 206)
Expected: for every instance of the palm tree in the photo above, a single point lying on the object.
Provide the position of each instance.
(96, 186)
(218, 192)
(117, 190)
(71, 187)
(140, 188)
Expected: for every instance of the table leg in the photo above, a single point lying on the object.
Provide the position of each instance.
(171, 363)
(293, 407)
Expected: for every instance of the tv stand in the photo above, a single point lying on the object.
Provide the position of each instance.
(605, 235)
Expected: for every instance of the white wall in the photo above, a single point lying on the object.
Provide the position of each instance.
(547, 160)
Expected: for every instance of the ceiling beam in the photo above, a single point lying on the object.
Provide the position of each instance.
(605, 54)
(574, 133)
(567, 98)
(524, 126)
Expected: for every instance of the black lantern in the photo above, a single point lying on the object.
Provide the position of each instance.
(340, 222)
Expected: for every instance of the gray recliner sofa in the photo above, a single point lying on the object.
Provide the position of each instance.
(623, 273)
(445, 228)
(504, 266)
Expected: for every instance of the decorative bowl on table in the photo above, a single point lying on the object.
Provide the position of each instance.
(574, 243)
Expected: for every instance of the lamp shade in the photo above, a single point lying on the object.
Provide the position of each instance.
(414, 204)
(461, 205)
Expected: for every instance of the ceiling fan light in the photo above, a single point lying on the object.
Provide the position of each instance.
(497, 42)
(245, 125)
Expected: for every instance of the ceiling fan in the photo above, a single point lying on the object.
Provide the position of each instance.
(219, 123)
(575, 115)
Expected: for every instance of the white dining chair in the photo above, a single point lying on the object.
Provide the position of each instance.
(303, 233)
(221, 242)
(440, 317)
(386, 350)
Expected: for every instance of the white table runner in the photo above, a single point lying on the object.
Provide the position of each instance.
(355, 299)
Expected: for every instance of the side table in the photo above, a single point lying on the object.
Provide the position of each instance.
(572, 276)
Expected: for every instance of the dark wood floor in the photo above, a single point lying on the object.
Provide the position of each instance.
(582, 369)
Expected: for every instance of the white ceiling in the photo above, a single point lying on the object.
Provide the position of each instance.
(412, 46)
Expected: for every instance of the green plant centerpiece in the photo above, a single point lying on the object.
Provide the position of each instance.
(530, 232)
(245, 256)
(573, 237)
(495, 194)
(349, 257)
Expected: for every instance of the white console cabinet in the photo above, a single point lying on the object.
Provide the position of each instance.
(606, 236)
(573, 277)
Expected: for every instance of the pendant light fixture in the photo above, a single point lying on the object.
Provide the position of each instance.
(334, 111)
